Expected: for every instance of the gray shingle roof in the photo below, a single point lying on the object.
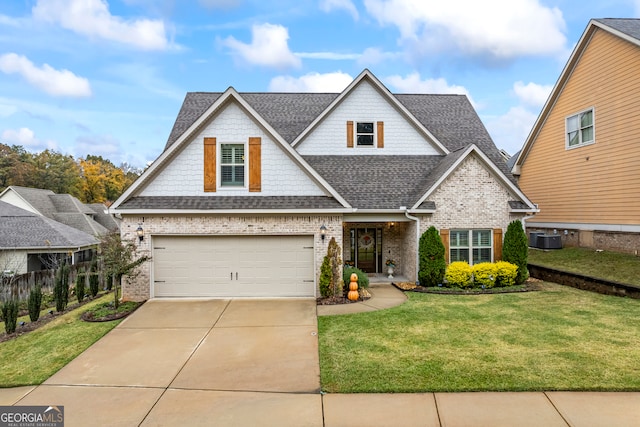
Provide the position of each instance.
(63, 208)
(630, 27)
(375, 182)
(23, 229)
(103, 217)
(231, 202)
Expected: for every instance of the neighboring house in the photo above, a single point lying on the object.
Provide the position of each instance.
(251, 187)
(31, 242)
(93, 219)
(580, 161)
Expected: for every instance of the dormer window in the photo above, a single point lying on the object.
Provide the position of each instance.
(364, 134)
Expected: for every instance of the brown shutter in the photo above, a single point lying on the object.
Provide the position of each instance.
(444, 235)
(349, 134)
(380, 134)
(497, 244)
(255, 164)
(210, 164)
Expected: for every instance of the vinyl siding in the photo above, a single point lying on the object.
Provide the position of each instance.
(596, 183)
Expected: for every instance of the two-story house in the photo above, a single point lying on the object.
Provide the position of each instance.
(580, 160)
(251, 187)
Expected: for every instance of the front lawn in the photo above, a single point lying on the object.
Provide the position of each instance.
(32, 358)
(619, 267)
(559, 338)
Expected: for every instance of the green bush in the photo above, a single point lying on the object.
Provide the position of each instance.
(61, 288)
(506, 273)
(515, 249)
(35, 302)
(325, 277)
(10, 315)
(484, 275)
(363, 279)
(94, 280)
(432, 260)
(80, 281)
(459, 274)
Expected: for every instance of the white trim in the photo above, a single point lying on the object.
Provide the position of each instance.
(229, 95)
(493, 168)
(366, 74)
(396, 216)
(623, 228)
(593, 126)
(245, 164)
(470, 247)
(230, 211)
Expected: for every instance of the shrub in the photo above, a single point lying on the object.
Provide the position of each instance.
(432, 260)
(10, 315)
(506, 273)
(35, 302)
(61, 288)
(335, 262)
(363, 279)
(484, 274)
(515, 249)
(459, 274)
(80, 281)
(325, 277)
(94, 280)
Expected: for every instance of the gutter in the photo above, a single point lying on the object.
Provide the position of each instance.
(417, 220)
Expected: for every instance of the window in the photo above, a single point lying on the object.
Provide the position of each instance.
(232, 165)
(473, 246)
(364, 134)
(580, 129)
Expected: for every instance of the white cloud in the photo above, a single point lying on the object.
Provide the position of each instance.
(510, 130)
(97, 145)
(312, 82)
(413, 84)
(331, 5)
(268, 47)
(373, 55)
(46, 78)
(532, 94)
(481, 28)
(26, 138)
(92, 18)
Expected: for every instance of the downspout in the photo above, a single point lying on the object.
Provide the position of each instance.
(417, 220)
(525, 218)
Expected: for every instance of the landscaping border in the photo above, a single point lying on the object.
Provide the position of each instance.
(583, 282)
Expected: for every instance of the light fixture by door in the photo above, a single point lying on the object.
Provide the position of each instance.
(140, 232)
(323, 232)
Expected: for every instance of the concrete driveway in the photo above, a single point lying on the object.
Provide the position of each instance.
(196, 362)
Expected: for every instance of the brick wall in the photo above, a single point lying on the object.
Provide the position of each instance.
(394, 242)
(138, 288)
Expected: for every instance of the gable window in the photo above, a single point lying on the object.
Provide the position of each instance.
(472, 246)
(232, 165)
(580, 129)
(364, 134)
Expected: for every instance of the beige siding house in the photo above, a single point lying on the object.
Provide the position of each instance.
(580, 161)
(252, 186)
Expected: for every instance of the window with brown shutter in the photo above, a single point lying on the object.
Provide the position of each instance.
(444, 235)
(255, 164)
(380, 135)
(209, 164)
(349, 134)
(497, 244)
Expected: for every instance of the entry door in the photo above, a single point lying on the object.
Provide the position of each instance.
(368, 249)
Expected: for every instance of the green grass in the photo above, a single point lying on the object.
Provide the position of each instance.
(619, 267)
(556, 339)
(32, 358)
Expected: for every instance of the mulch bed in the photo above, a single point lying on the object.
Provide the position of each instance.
(364, 295)
(530, 285)
(88, 316)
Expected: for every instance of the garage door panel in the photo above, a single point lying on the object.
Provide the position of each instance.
(229, 266)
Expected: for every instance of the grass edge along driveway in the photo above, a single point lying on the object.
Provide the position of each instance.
(32, 358)
(559, 338)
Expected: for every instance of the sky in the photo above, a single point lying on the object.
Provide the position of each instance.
(107, 77)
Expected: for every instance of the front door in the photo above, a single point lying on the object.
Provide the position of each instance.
(368, 245)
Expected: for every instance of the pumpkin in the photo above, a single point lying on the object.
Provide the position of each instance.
(354, 277)
(353, 295)
(353, 286)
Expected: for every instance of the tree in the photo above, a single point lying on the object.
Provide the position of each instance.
(56, 172)
(515, 249)
(119, 259)
(432, 260)
(333, 252)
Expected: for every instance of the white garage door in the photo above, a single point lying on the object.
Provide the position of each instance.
(233, 266)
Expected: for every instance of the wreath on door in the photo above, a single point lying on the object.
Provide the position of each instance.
(366, 241)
